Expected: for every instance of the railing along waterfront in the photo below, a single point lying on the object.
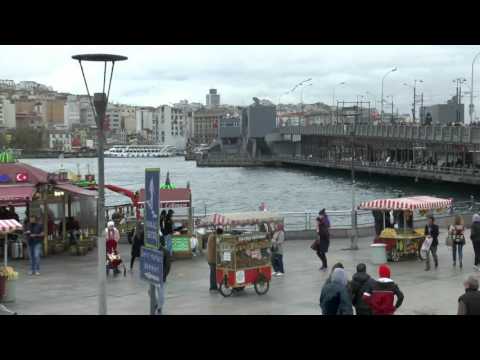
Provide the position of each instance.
(437, 133)
(341, 219)
(461, 171)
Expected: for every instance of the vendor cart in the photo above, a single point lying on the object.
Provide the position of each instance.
(402, 240)
(244, 255)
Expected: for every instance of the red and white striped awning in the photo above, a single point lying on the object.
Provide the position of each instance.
(8, 226)
(407, 203)
(242, 219)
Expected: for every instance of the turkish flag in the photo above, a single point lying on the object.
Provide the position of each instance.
(21, 177)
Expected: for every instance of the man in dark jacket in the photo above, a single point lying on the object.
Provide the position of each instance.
(361, 281)
(431, 229)
(380, 296)
(469, 303)
(160, 290)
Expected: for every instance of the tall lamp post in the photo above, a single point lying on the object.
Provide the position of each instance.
(99, 106)
(383, 79)
(301, 83)
(471, 107)
(414, 105)
(333, 98)
(301, 99)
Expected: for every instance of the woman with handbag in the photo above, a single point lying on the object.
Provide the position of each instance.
(457, 239)
(320, 246)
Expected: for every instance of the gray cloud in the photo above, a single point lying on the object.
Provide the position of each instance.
(155, 75)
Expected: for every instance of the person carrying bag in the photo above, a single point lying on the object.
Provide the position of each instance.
(456, 232)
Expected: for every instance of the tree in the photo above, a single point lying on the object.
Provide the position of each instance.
(27, 139)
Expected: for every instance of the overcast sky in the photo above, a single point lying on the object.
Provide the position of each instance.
(155, 75)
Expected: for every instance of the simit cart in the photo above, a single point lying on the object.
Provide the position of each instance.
(401, 239)
(244, 250)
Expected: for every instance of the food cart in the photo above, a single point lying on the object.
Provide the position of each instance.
(244, 250)
(404, 241)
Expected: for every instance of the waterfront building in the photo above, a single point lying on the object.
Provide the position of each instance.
(212, 99)
(60, 140)
(173, 124)
(7, 113)
(206, 123)
(257, 122)
(444, 114)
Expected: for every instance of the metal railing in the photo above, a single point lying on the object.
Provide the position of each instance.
(461, 171)
(306, 220)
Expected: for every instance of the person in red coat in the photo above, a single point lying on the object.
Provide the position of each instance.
(381, 294)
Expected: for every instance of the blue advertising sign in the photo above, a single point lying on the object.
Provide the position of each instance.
(151, 266)
(152, 208)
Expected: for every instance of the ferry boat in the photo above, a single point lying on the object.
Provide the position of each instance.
(140, 151)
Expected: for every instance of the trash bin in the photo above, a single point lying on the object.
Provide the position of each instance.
(2, 286)
(10, 291)
(378, 254)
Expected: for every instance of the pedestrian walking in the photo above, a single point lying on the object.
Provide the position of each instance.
(380, 296)
(457, 233)
(338, 265)
(34, 234)
(161, 289)
(469, 303)
(111, 232)
(168, 231)
(475, 237)
(431, 229)
(212, 257)
(137, 242)
(334, 297)
(277, 251)
(163, 216)
(321, 245)
(360, 283)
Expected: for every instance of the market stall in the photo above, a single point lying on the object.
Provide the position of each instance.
(400, 237)
(49, 196)
(7, 274)
(244, 250)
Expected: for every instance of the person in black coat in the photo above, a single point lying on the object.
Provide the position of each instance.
(137, 242)
(361, 281)
(431, 229)
(322, 244)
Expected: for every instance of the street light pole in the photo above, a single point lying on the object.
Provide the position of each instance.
(471, 107)
(99, 106)
(301, 100)
(383, 79)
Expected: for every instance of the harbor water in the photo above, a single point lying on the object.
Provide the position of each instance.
(243, 189)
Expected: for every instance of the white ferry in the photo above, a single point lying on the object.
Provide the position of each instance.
(140, 151)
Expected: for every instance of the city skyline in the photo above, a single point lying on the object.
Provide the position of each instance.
(156, 75)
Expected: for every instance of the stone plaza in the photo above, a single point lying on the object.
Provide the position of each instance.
(68, 284)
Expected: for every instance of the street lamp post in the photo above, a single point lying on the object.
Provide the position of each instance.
(301, 100)
(99, 106)
(300, 84)
(471, 107)
(333, 102)
(383, 79)
(414, 105)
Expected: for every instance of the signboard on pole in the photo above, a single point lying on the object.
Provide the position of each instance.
(152, 208)
(151, 266)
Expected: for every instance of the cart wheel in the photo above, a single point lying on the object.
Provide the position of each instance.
(395, 255)
(261, 284)
(224, 289)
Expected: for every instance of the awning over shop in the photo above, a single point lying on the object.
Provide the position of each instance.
(246, 218)
(407, 203)
(7, 226)
(171, 198)
(16, 195)
(76, 190)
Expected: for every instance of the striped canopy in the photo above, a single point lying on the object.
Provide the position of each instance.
(247, 218)
(8, 226)
(406, 203)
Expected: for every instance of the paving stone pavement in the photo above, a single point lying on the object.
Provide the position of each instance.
(67, 285)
